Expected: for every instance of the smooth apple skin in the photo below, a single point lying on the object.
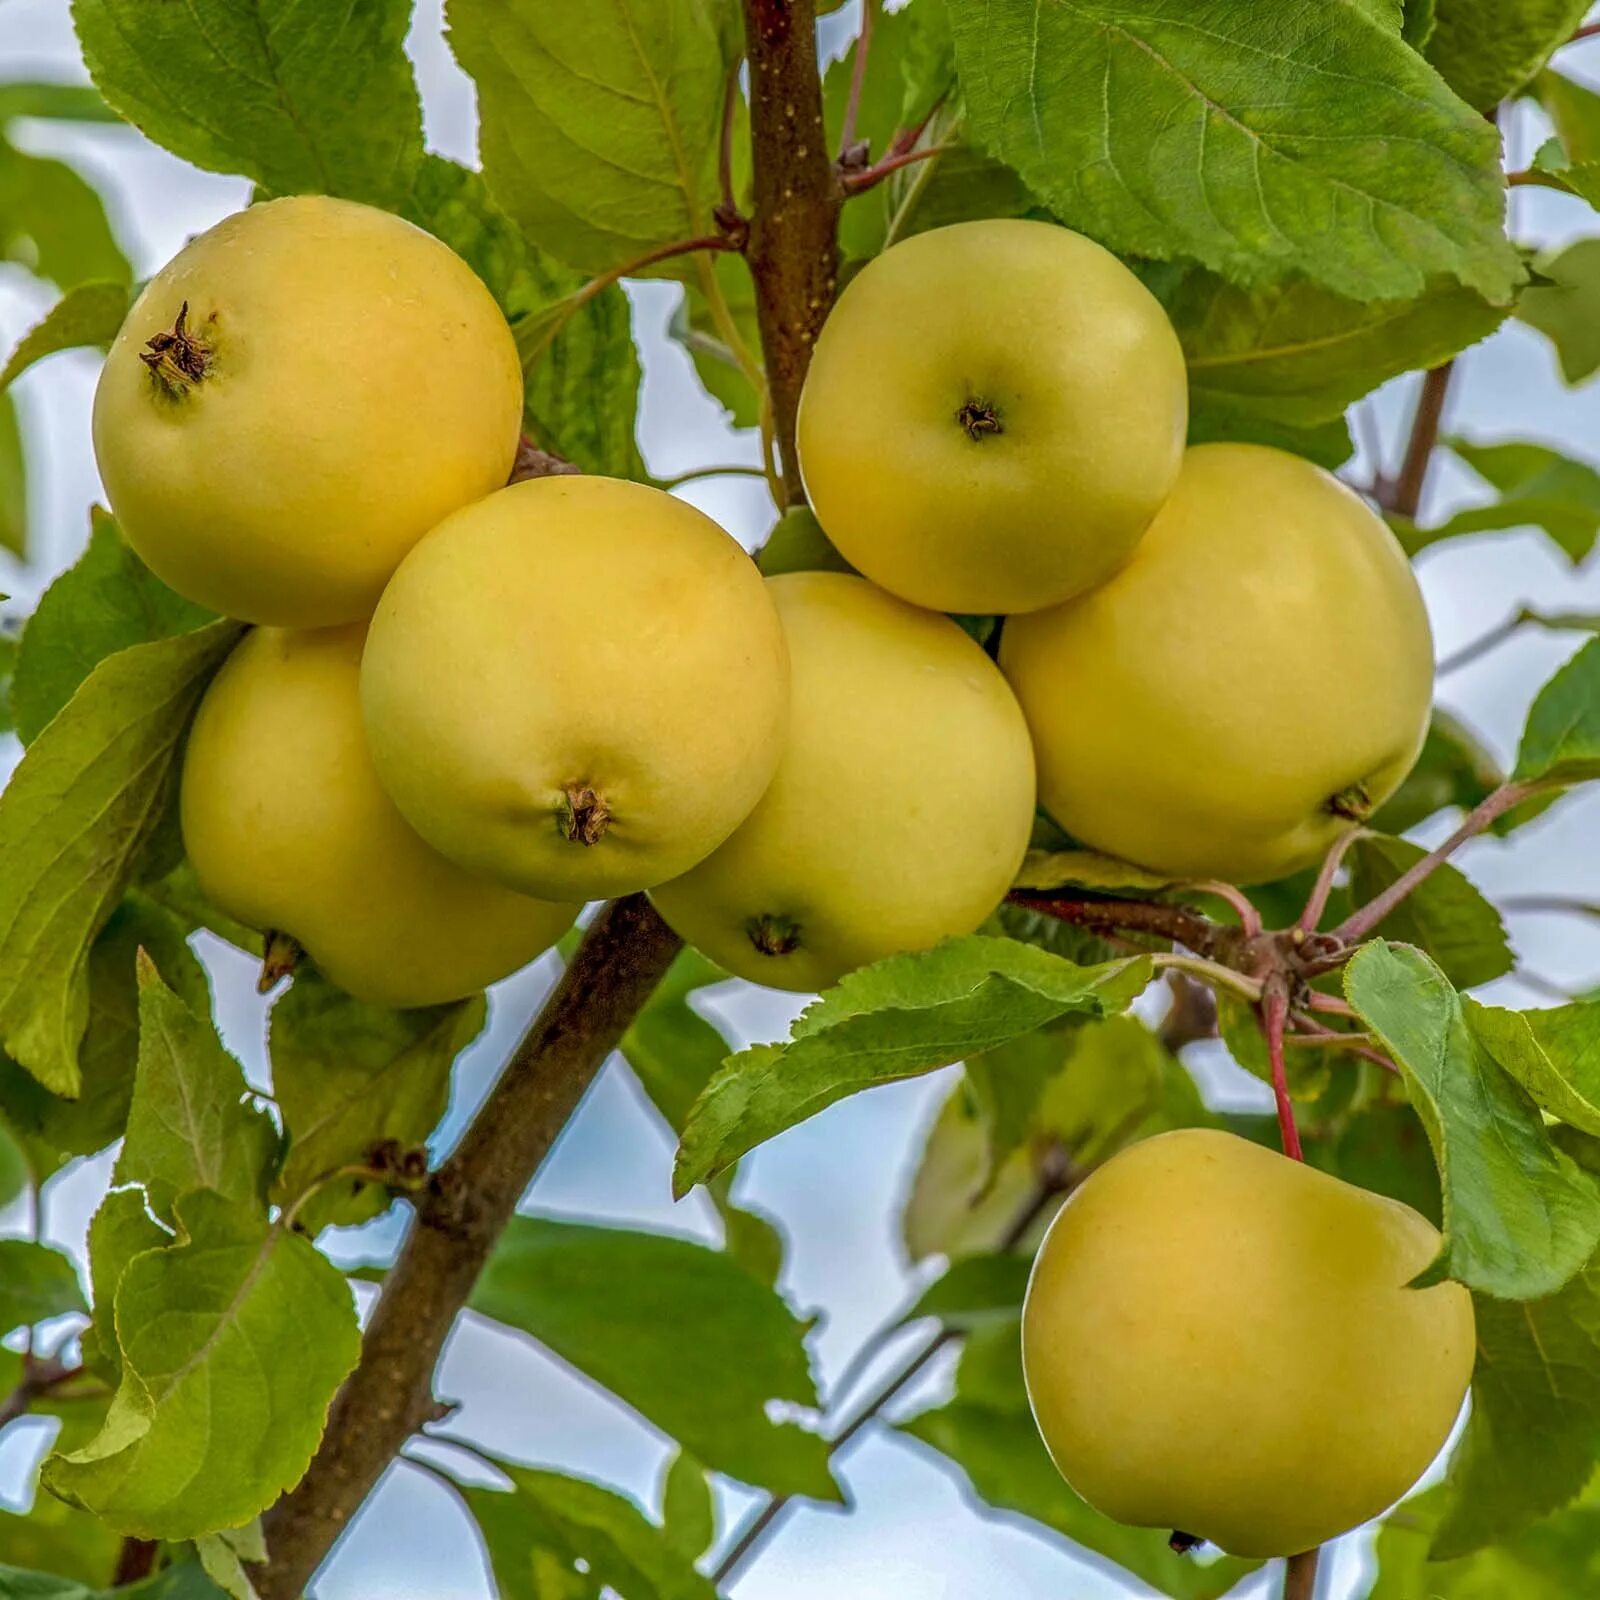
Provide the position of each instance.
(577, 687)
(359, 383)
(1256, 680)
(1220, 1341)
(994, 412)
(288, 829)
(901, 806)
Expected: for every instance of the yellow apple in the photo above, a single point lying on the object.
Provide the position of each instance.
(901, 806)
(993, 414)
(1221, 1341)
(576, 687)
(295, 399)
(288, 829)
(1254, 681)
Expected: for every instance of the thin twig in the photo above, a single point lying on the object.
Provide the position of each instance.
(1406, 495)
(40, 1375)
(1107, 914)
(1213, 972)
(1587, 31)
(1274, 1015)
(1317, 900)
(1550, 902)
(730, 101)
(1360, 923)
(1480, 646)
(729, 470)
(1300, 1576)
(858, 77)
(870, 177)
(1330, 1004)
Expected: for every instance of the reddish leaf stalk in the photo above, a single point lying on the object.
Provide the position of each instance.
(1274, 1016)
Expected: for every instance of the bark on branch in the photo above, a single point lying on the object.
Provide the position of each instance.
(458, 1219)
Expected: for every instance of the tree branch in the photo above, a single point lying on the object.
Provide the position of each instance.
(458, 1219)
(1405, 495)
(793, 244)
(1107, 914)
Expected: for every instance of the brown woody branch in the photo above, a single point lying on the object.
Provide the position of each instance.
(1404, 495)
(1154, 919)
(458, 1219)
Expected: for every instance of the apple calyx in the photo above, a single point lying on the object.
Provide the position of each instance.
(774, 935)
(1182, 1543)
(588, 815)
(1353, 802)
(281, 955)
(177, 358)
(979, 417)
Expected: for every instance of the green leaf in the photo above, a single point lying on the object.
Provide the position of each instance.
(1338, 155)
(673, 1050)
(695, 327)
(1327, 443)
(1565, 307)
(554, 1537)
(36, 1283)
(1454, 769)
(1085, 869)
(234, 1341)
(688, 1511)
(1487, 49)
(302, 99)
(348, 1077)
(120, 1229)
(190, 1125)
(895, 1019)
(1445, 914)
(1553, 1560)
(57, 102)
(798, 544)
(88, 314)
(1553, 1053)
(1520, 1217)
(987, 1432)
(223, 1555)
(975, 1291)
(1295, 355)
(679, 1332)
(75, 818)
(106, 602)
(60, 1539)
(53, 1130)
(53, 223)
(1533, 1436)
(13, 481)
(600, 167)
(1561, 742)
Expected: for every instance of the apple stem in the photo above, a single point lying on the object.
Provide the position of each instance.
(1274, 1016)
(1317, 901)
(1300, 1576)
(1244, 907)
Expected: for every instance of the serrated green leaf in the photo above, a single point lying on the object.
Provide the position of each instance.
(1555, 1559)
(1339, 155)
(120, 1229)
(988, 1433)
(1444, 915)
(695, 326)
(36, 1283)
(1327, 443)
(53, 1130)
(223, 1556)
(599, 167)
(1486, 49)
(88, 314)
(688, 1512)
(349, 1076)
(554, 1537)
(53, 223)
(1565, 307)
(315, 100)
(87, 798)
(1295, 355)
(798, 544)
(1520, 1217)
(234, 1342)
(1554, 1054)
(1084, 869)
(975, 1291)
(190, 1125)
(1454, 769)
(13, 481)
(895, 1019)
(679, 1332)
(1539, 488)
(1561, 742)
(671, 1048)
(1533, 1437)
(108, 600)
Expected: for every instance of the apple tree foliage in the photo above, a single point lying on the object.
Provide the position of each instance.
(1316, 191)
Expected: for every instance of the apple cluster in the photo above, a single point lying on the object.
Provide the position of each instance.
(468, 706)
